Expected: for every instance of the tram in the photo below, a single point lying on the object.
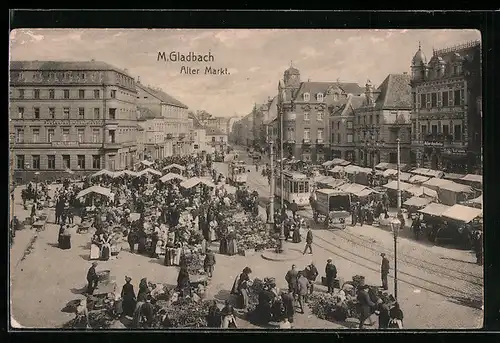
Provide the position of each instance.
(295, 187)
(237, 173)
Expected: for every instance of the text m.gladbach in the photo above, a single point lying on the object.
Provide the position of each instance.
(176, 56)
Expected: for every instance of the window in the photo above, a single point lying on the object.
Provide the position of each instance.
(307, 97)
(306, 115)
(428, 102)
(306, 134)
(50, 135)
(320, 134)
(36, 94)
(96, 162)
(97, 94)
(320, 116)
(20, 162)
(414, 99)
(113, 93)
(20, 112)
(81, 113)
(36, 112)
(20, 135)
(434, 129)
(95, 135)
(423, 129)
(333, 137)
(444, 95)
(66, 113)
(52, 113)
(81, 93)
(349, 124)
(320, 97)
(35, 161)
(457, 132)
(446, 130)
(339, 136)
(81, 161)
(349, 138)
(458, 97)
(36, 135)
(65, 135)
(112, 113)
(51, 161)
(97, 113)
(422, 100)
(66, 94)
(450, 98)
(52, 94)
(338, 126)
(371, 120)
(433, 100)
(21, 94)
(439, 99)
(81, 133)
(66, 161)
(112, 136)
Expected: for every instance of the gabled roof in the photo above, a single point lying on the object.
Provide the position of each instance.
(321, 87)
(162, 96)
(145, 114)
(64, 66)
(213, 131)
(394, 92)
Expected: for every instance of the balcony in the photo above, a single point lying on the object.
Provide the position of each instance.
(320, 141)
(289, 141)
(112, 146)
(306, 141)
(182, 135)
(169, 136)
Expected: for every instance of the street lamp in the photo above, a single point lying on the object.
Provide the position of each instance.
(399, 175)
(271, 184)
(395, 225)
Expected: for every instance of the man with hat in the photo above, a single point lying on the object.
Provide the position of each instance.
(331, 275)
(92, 279)
(384, 271)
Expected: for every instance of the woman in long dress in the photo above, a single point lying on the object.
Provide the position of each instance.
(232, 247)
(183, 282)
(296, 234)
(129, 298)
(105, 249)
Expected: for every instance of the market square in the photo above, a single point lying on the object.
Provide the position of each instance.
(242, 223)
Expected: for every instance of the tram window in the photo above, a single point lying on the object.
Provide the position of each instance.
(301, 187)
(306, 187)
(295, 187)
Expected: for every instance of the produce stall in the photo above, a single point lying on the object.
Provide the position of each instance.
(251, 233)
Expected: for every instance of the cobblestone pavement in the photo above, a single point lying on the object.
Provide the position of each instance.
(48, 278)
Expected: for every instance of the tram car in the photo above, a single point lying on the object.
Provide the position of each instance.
(295, 187)
(332, 206)
(237, 174)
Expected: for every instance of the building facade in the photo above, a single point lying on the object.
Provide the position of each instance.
(152, 139)
(446, 115)
(382, 118)
(198, 135)
(305, 115)
(216, 140)
(71, 115)
(175, 119)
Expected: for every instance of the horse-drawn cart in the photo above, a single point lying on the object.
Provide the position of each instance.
(331, 207)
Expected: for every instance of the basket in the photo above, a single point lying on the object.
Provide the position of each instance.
(103, 275)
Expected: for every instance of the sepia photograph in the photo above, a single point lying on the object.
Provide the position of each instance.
(229, 179)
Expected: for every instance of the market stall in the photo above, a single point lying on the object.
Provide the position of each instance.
(103, 172)
(476, 202)
(473, 180)
(418, 179)
(96, 190)
(149, 171)
(428, 172)
(175, 168)
(392, 188)
(453, 193)
(172, 176)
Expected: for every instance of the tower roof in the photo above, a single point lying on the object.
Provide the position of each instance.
(419, 57)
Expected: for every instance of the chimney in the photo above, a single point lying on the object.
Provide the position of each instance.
(138, 79)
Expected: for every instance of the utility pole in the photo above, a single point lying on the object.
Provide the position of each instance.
(282, 228)
(399, 174)
(271, 184)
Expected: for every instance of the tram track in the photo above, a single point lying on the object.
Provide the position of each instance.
(472, 284)
(442, 270)
(410, 279)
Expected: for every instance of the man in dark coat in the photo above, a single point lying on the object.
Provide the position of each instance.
(354, 214)
(147, 313)
(303, 285)
(291, 279)
(268, 212)
(311, 273)
(209, 262)
(288, 305)
(331, 275)
(294, 208)
(384, 271)
(365, 305)
(92, 279)
(309, 240)
(383, 316)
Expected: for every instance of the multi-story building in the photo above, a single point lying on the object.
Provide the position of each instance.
(198, 135)
(230, 125)
(216, 140)
(243, 131)
(305, 114)
(220, 123)
(382, 118)
(175, 118)
(446, 118)
(71, 115)
(152, 137)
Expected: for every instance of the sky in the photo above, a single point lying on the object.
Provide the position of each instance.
(255, 59)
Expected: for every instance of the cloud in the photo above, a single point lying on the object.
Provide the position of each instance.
(256, 59)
